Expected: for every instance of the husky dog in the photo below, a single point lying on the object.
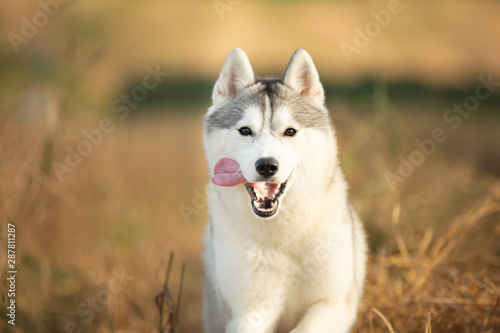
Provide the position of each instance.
(284, 249)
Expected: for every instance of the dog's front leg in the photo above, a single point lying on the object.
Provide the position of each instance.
(326, 317)
(259, 320)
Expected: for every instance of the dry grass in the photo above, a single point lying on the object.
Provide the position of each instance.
(168, 309)
(414, 292)
(435, 240)
(435, 248)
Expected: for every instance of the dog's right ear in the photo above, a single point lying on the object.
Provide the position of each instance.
(235, 75)
(302, 76)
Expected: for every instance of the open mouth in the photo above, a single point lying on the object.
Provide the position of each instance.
(265, 197)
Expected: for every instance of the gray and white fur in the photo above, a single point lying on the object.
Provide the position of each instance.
(298, 266)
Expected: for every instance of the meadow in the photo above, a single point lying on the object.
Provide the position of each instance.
(117, 215)
(102, 190)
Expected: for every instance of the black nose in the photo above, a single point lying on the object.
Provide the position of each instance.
(267, 166)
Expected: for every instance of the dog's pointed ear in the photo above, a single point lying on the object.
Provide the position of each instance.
(235, 75)
(301, 75)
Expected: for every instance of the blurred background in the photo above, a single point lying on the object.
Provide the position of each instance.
(102, 168)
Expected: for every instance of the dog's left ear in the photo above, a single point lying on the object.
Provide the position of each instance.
(301, 75)
(235, 75)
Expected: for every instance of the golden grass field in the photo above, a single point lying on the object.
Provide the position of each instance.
(435, 240)
(92, 249)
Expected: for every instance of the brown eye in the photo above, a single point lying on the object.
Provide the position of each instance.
(290, 132)
(245, 131)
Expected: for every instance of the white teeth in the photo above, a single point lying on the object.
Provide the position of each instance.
(267, 205)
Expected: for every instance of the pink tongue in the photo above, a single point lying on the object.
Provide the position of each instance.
(227, 172)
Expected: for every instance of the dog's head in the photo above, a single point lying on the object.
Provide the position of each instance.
(272, 135)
